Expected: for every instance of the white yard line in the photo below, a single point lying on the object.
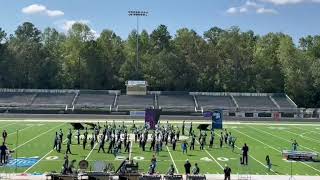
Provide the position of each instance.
(308, 130)
(7, 125)
(303, 136)
(91, 151)
(20, 130)
(281, 138)
(212, 157)
(274, 148)
(253, 158)
(40, 159)
(175, 166)
(37, 137)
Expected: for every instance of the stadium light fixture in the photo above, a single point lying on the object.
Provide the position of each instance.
(137, 14)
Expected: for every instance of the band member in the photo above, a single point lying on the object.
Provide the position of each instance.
(190, 130)
(92, 141)
(68, 147)
(245, 150)
(55, 142)
(84, 142)
(196, 169)
(128, 147)
(78, 136)
(192, 142)
(4, 135)
(211, 139)
(101, 144)
(174, 143)
(268, 161)
(295, 145)
(183, 128)
(221, 141)
(171, 170)
(61, 134)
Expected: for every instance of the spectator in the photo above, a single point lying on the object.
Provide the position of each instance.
(187, 167)
(4, 135)
(3, 150)
(227, 172)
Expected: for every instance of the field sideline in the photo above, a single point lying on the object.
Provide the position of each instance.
(35, 140)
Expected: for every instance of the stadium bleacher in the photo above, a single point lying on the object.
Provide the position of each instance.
(176, 102)
(135, 102)
(213, 102)
(167, 101)
(255, 102)
(283, 102)
(54, 99)
(91, 99)
(15, 98)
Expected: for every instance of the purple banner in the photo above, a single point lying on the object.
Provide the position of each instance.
(207, 114)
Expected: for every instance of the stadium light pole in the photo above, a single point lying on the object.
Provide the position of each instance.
(137, 14)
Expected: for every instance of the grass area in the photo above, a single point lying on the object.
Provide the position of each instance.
(35, 139)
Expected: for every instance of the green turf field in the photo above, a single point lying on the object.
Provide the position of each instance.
(36, 140)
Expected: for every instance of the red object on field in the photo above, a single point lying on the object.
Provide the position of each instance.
(276, 116)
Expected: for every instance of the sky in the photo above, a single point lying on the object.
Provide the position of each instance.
(297, 18)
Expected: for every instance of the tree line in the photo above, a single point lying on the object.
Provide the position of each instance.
(219, 60)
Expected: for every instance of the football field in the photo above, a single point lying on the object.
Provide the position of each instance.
(32, 143)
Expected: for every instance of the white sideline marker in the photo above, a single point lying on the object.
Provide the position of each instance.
(276, 149)
(175, 166)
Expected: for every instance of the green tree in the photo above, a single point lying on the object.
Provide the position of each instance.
(73, 64)
(26, 50)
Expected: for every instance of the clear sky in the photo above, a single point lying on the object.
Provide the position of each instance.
(295, 17)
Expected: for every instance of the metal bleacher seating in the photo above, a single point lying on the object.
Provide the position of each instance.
(134, 102)
(167, 101)
(212, 102)
(283, 102)
(15, 99)
(255, 102)
(53, 99)
(176, 102)
(94, 99)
